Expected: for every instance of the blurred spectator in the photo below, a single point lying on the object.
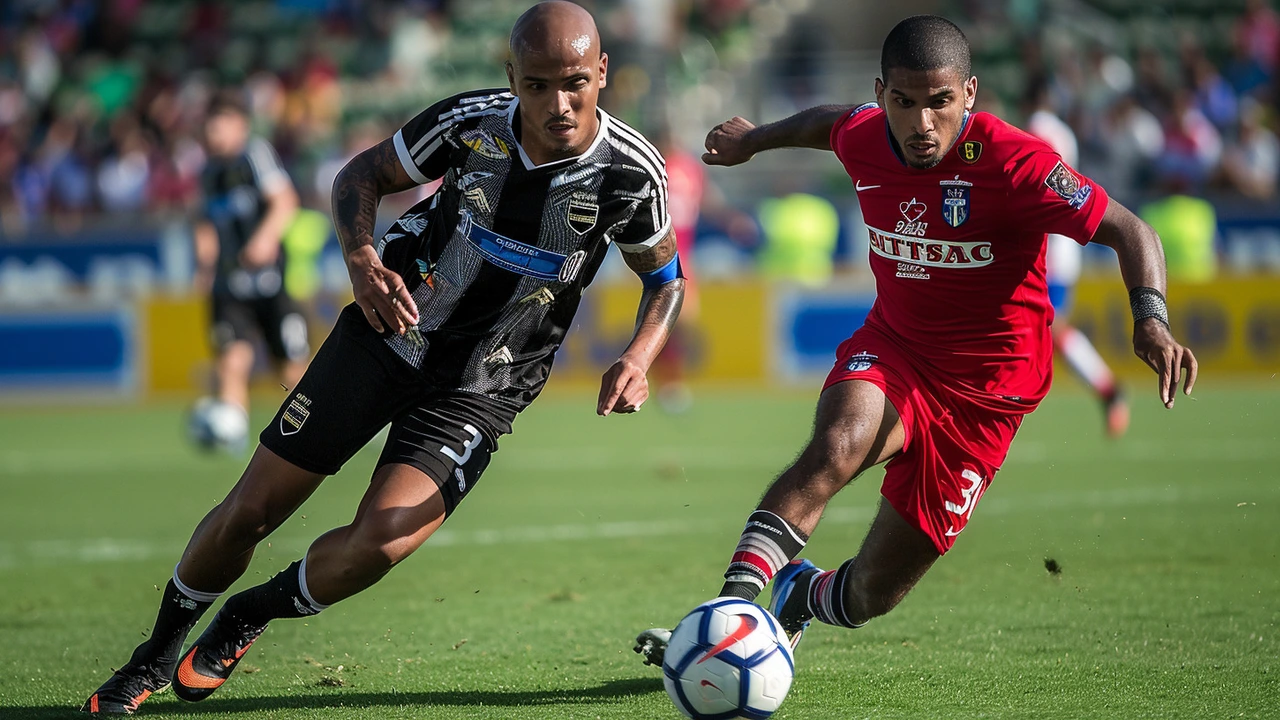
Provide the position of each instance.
(1152, 90)
(1131, 140)
(1215, 98)
(1252, 163)
(1258, 30)
(1192, 146)
(1244, 72)
(124, 176)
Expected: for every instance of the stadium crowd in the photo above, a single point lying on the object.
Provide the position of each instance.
(1168, 117)
(101, 103)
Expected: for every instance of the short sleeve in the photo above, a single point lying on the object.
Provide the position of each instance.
(1049, 196)
(650, 223)
(421, 144)
(841, 141)
(268, 172)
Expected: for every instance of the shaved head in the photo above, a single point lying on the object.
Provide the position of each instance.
(558, 29)
(556, 70)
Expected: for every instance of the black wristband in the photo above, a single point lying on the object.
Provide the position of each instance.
(1145, 302)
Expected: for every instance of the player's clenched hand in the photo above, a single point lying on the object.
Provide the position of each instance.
(380, 292)
(1153, 342)
(727, 144)
(623, 389)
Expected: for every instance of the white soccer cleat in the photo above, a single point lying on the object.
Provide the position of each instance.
(652, 645)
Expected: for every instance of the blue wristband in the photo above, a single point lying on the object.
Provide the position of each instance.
(663, 275)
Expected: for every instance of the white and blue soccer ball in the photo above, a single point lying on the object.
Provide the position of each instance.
(217, 425)
(729, 658)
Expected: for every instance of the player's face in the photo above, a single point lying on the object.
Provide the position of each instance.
(558, 91)
(926, 110)
(226, 134)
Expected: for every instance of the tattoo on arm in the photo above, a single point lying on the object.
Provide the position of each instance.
(651, 259)
(660, 306)
(359, 187)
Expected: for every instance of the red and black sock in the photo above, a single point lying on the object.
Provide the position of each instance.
(826, 594)
(767, 544)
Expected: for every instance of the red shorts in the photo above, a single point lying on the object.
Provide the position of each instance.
(953, 446)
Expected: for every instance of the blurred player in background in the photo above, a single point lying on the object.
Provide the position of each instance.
(956, 349)
(1063, 257)
(458, 312)
(249, 202)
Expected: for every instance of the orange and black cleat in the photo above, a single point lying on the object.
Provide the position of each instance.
(126, 690)
(213, 657)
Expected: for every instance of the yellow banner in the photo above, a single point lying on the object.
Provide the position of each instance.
(1232, 324)
(722, 338)
(721, 334)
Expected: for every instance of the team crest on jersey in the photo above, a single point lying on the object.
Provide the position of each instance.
(955, 201)
(861, 361)
(295, 415)
(582, 216)
(1068, 187)
(486, 144)
(970, 151)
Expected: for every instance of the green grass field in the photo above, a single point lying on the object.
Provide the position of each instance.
(587, 530)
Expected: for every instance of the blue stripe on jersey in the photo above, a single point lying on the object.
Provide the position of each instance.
(511, 254)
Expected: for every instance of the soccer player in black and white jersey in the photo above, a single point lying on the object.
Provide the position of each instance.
(248, 204)
(459, 310)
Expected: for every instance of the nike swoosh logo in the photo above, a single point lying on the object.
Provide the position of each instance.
(188, 676)
(859, 187)
(228, 662)
(952, 532)
(746, 625)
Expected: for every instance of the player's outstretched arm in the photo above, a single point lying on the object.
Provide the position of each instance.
(625, 387)
(263, 247)
(735, 141)
(360, 185)
(1142, 266)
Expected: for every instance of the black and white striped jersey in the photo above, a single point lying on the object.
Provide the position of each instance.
(498, 257)
(235, 191)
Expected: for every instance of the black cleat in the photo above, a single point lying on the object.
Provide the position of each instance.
(213, 657)
(127, 689)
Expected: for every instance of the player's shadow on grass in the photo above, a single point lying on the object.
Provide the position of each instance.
(611, 691)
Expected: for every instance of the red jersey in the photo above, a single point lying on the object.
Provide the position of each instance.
(958, 250)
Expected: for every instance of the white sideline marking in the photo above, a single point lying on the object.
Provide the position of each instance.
(104, 550)
(16, 463)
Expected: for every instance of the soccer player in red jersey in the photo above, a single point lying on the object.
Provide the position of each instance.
(956, 349)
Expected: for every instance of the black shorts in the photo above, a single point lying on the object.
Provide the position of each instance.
(356, 385)
(277, 319)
